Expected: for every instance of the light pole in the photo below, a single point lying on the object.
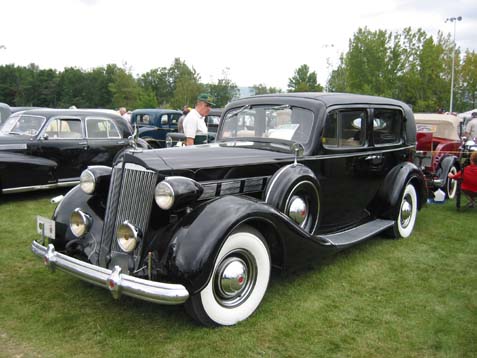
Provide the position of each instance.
(454, 20)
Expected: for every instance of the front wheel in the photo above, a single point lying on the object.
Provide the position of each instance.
(238, 282)
(451, 184)
(406, 213)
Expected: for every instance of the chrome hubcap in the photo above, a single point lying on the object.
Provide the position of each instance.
(298, 211)
(235, 278)
(406, 212)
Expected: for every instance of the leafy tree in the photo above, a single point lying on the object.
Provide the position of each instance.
(304, 81)
(124, 88)
(156, 80)
(469, 77)
(223, 91)
(263, 89)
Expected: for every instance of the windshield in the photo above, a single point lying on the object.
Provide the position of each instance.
(279, 122)
(26, 125)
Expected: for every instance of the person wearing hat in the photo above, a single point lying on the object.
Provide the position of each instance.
(194, 122)
(471, 128)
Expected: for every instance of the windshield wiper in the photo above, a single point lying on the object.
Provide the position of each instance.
(237, 112)
(283, 106)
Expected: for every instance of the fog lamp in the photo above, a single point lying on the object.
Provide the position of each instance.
(164, 195)
(87, 181)
(127, 236)
(80, 223)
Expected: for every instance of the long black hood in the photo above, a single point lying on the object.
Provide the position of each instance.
(218, 160)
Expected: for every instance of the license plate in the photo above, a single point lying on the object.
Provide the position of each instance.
(45, 227)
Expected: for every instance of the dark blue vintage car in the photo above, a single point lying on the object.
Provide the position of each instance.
(49, 148)
(154, 124)
(290, 179)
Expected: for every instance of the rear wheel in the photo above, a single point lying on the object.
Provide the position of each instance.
(451, 184)
(238, 282)
(405, 214)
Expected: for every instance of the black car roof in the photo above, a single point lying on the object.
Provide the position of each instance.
(50, 112)
(328, 99)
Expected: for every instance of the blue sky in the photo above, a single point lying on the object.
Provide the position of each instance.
(250, 42)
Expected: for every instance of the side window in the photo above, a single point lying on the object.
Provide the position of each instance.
(175, 118)
(164, 120)
(64, 129)
(98, 128)
(387, 124)
(345, 128)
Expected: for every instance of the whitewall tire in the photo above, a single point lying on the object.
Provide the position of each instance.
(406, 213)
(238, 282)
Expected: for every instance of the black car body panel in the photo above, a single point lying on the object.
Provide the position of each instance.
(311, 173)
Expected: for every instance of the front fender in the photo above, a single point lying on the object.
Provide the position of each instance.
(191, 254)
(20, 169)
(390, 192)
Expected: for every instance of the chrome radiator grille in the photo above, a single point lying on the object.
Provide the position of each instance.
(131, 195)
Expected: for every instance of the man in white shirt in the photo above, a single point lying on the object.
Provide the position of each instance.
(471, 128)
(194, 121)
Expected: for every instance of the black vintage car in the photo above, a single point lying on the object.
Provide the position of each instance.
(48, 148)
(290, 179)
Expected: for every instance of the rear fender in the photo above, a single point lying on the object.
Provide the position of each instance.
(445, 165)
(389, 194)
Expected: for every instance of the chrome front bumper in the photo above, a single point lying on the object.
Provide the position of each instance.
(114, 280)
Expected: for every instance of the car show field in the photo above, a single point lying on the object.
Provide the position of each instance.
(407, 298)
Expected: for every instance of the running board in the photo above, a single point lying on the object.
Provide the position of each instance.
(357, 234)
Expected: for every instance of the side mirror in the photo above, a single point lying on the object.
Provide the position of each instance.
(45, 137)
(298, 150)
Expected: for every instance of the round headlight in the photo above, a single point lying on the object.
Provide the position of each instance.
(80, 223)
(127, 236)
(168, 142)
(164, 195)
(87, 181)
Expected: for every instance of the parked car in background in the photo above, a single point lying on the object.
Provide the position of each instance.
(155, 124)
(6, 111)
(212, 121)
(291, 178)
(48, 148)
(438, 148)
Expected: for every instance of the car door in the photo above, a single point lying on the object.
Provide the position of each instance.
(104, 141)
(347, 167)
(63, 141)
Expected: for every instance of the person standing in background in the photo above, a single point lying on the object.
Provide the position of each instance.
(194, 122)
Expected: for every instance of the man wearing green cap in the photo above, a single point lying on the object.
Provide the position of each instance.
(194, 121)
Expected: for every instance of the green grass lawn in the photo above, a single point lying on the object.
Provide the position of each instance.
(385, 298)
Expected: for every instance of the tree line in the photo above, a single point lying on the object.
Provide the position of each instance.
(410, 66)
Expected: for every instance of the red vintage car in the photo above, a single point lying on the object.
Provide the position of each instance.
(437, 149)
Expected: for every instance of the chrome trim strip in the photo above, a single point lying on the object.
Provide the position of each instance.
(114, 280)
(12, 146)
(39, 187)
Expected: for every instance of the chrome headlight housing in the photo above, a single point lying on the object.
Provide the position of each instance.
(168, 141)
(87, 181)
(164, 195)
(80, 223)
(127, 236)
(176, 192)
